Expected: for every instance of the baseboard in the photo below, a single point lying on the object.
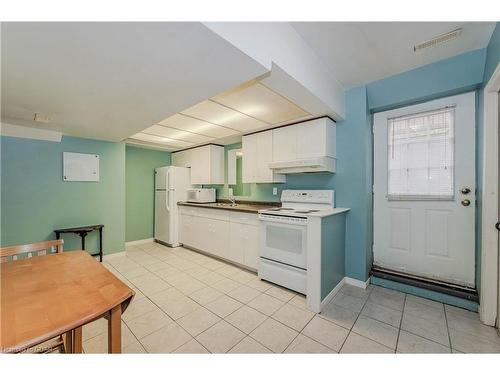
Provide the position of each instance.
(139, 242)
(332, 294)
(356, 282)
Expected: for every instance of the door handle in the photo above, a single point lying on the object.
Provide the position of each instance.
(465, 202)
(465, 190)
(497, 225)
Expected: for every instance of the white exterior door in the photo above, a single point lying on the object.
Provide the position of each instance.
(424, 189)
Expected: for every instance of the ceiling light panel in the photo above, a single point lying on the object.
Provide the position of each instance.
(181, 135)
(194, 125)
(221, 115)
(260, 102)
(161, 140)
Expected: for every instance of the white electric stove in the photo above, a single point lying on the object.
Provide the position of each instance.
(284, 236)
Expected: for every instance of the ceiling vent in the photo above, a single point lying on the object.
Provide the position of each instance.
(443, 38)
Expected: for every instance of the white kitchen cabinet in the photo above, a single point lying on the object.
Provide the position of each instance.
(206, 163)
(186, 229)
(251, 248)
(249, 161)
(235, 251)
(257, 153)
(310, 139)
(233, 236)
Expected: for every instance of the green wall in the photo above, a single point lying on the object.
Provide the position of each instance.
(139, 186)
(35, 200)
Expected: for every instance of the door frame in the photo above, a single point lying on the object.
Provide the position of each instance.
(490, 289)
(430, 105)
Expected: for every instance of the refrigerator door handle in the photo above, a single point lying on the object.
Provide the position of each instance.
(167, 201)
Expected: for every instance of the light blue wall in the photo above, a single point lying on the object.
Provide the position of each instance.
(35, 200)
(452, 76)
(332, 252)
(351, 182)
(353, 179)
(447, 77)
(493, 54)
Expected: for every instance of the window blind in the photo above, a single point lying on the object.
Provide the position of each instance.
(421, 156)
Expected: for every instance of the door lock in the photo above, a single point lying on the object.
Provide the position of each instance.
(465, 190)
(466, 202)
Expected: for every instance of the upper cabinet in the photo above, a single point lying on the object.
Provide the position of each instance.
(305, 147)
(206, 163)
(310, 139)
(257, 154)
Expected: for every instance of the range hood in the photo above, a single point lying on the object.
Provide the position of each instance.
(323, 164)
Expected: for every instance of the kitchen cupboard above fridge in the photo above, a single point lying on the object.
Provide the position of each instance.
(206, 164)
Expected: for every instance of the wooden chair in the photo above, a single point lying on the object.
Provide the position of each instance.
(38, 248)
(71, 342)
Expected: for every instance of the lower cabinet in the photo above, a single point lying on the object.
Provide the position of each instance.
(251, 243)
(229, 235)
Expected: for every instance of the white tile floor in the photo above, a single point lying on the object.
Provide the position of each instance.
(187, 302)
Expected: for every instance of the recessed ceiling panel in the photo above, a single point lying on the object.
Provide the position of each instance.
(181, 135)
(221, 115)
(161, 140)
(194, 125)
(151, 146)
(260, 102)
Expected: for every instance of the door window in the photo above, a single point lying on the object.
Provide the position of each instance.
(421, 156)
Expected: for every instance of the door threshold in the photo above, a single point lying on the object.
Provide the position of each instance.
(420, 282)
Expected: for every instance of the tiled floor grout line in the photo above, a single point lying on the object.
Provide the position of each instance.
(182, 258)
(357, 317)
(427, 338)
(222, 319)
(269, 316)
(173, 320)
(400, 324)
(133, 334)
(447, 328)
(300, 333)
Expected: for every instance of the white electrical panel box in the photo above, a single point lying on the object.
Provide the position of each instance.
(80, 167)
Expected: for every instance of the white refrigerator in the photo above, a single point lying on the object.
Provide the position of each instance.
(171, 184)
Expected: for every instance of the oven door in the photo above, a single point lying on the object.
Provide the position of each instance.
(284, 242)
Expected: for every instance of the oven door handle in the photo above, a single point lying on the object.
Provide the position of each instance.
(277, 220)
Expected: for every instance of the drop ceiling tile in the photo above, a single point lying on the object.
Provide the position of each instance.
(149, 145)
(182, 122)
(181, 135)
(221, 115)
(160, 140)
(258, 101)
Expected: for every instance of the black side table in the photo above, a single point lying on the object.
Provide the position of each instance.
(82, 232)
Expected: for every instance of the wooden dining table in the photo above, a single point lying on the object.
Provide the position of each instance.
(47, 296)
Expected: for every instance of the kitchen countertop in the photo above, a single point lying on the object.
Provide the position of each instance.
(332, 211)
(241, 206)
